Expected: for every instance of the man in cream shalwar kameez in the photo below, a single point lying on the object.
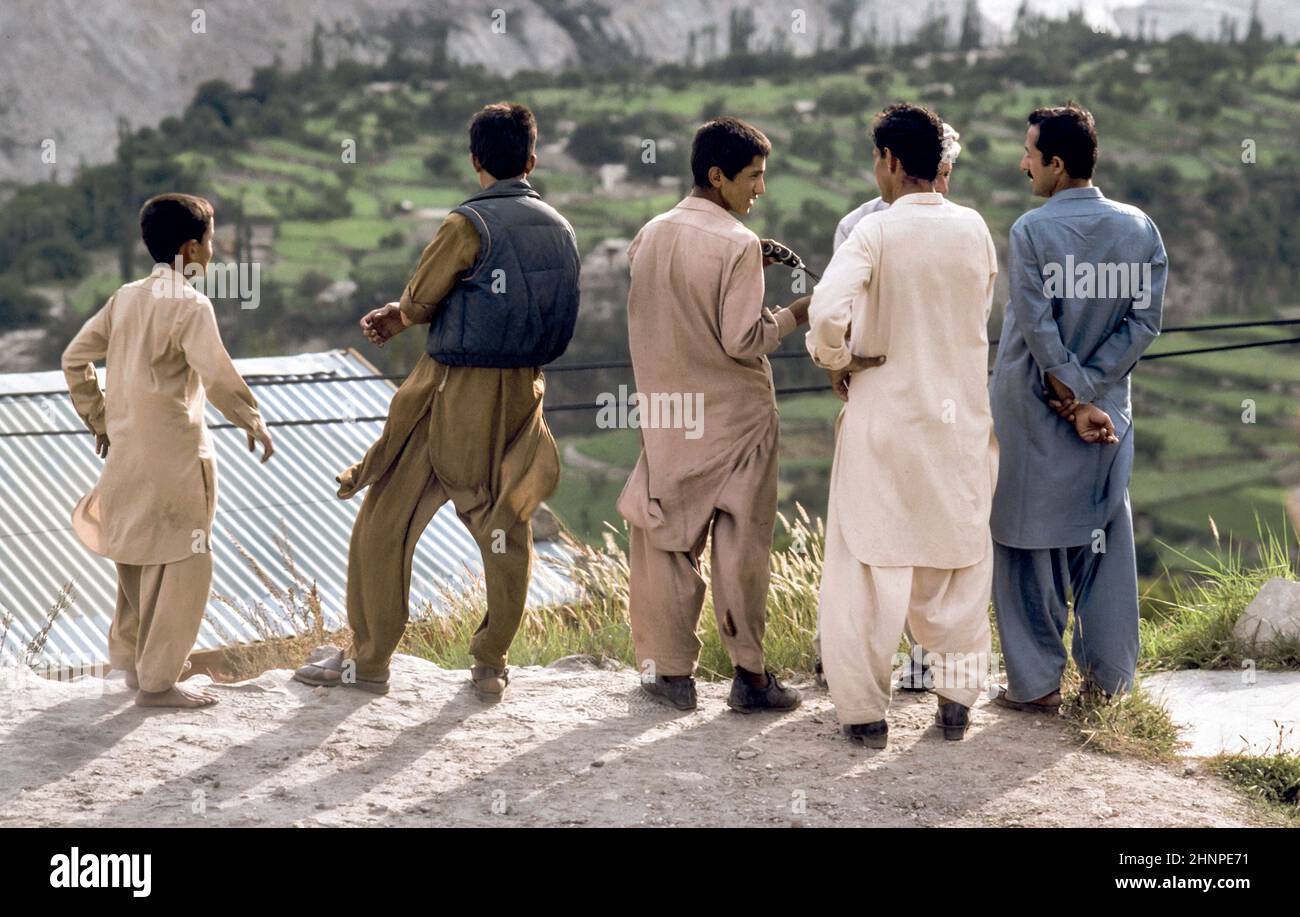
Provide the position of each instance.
(151, 511)
(907, 538)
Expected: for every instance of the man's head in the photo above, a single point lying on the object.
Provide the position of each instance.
(907, 146)
(178, 224)
(729, 159)
(948, 158)
(1060, 148)
(502, 142)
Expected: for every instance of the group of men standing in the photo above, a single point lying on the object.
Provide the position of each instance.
(947, 487)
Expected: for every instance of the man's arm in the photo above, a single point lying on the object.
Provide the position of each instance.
(831, 309)
(749, 329)
(79, 359)
(1033, 310)
(1119, 353)
(452, 251)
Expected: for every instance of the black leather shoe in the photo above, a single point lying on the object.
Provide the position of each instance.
(917, 678)
(953, 719)
(678, 692)
(774, 696)
(872, 735)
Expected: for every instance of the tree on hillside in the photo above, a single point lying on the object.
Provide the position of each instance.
(970, 27)
(842, 12)
(741, 30)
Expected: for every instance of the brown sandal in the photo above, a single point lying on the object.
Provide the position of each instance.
(1028, 706)
(328, 673)
(489, 682)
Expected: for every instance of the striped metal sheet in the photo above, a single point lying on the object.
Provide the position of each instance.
(42, 477)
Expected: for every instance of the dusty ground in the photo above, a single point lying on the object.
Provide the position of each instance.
(573, 744)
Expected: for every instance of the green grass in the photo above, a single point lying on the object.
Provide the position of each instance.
(1152, 486)
(597, 625)
(1274, 779)
(407, 170)
(290, 168)
(287, 149)
(1235, 514)
(1194, 628)
(421, 196)
(359, 233)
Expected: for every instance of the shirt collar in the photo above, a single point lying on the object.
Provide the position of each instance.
(919, 197)
(704, 205)
(169, 282)
(1070, 194)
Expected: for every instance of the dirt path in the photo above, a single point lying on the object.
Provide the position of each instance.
(573, 744)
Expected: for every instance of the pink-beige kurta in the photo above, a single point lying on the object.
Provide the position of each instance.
(157, 493)
(152, 509)
(697, 327)
(915, 455)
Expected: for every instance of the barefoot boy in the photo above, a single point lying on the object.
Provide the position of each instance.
(151, 511)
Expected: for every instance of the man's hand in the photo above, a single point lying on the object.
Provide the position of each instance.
(1094, 425)
(268, 450)
(800, 309)
(840, 377)
(101, 445)
(1060, 398)
(382, 325)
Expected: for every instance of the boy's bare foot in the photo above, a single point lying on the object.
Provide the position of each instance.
(176, 696)
(133, 681)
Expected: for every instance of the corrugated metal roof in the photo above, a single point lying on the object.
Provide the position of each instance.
(44, 476)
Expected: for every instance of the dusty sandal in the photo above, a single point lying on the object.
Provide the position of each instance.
(489, 682)
(1028, 706)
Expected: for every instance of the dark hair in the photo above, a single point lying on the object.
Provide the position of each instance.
(728, 143)
(168, 221)
(503, 135)
(1067, 131)
(914, 135)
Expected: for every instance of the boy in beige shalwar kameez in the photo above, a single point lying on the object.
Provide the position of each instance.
(907, 531)
(697, 328)
(151, 511)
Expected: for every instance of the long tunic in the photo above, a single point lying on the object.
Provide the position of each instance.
(158, 489)
(697, 327)
(915, 456)
(1054, 490)
(494, 475)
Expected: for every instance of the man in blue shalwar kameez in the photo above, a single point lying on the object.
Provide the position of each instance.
(1087, 281)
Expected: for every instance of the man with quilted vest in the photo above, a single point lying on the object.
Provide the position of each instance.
(498, 288)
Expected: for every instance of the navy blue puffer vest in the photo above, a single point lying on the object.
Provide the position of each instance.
(518, 304)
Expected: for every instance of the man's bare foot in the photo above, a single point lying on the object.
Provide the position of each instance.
(133, 681)
(176, 696)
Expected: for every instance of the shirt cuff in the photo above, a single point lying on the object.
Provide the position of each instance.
(785, 321)
(416, 313)
(256, 425)
(832, 358)
(1071, 374)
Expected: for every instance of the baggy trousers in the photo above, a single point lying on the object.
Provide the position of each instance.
(1029, 600)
